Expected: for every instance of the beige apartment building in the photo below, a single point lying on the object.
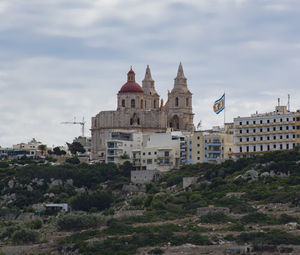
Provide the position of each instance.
(261, 133)
(213, 145)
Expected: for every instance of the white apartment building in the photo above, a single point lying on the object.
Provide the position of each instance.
(121, 144)
(260, 133)
(161, 151)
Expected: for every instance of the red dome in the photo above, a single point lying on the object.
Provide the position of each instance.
(131, 87)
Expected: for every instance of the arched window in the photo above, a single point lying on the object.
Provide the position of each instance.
(187, 102)
(138, 121)
(154, 104)
(142, 104)
(123, 103)
(131, 121)
(176, 101)
(132, 103)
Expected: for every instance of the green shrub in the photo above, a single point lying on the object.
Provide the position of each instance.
(77, 222)
(274, 237)
(257, 218)
(216, 218)
(85, 201)
(156, 251)
(24, 236)
(34, 224)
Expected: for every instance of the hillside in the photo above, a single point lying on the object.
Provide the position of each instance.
(251, 205)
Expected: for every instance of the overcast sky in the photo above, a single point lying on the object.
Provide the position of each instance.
(61, 59)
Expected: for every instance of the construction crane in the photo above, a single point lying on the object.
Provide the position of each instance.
(82, 123)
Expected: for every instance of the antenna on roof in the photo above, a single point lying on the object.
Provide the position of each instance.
(278, 101)
(289, 100)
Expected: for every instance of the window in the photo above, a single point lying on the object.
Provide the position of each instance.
(274, 120)
(241, 150)
(240, 123)
(274, 128)
(149, 153)
(166, 154)
(240, 131)
(176, 101)
(254, 148)
(247, 139)
(268, 121)
(155, 153)
(261, 122)
(241, 139)
(281, 137)
(268, 137)
(287, 137)
(198, 152)
(187, 102)
(154, 104)
(268, 147)
(247, 122)
(123, 103)
(261, 148)
(254, 130)
(261, 138)
(287, 127)
(287, 146)
(247, 148)
(149, 161)
(274, 146)
(198, 137)
(132, 103)
(280, 128)
(287, 119)
(198, 158)
(254, 122)
(261, 130)
(280, 146)
(144, 153)
(247, 131)
(268, 129)
(274, 137)
(198, 145)
(254, 138)
(142, 104)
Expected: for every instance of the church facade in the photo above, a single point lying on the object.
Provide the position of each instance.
(140, 109)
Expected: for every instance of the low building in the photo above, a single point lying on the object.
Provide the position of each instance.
(31, 148)
(261, 133)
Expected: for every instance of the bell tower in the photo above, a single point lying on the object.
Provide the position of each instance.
(179, 105)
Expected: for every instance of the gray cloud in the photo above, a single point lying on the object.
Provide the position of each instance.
(65, 58)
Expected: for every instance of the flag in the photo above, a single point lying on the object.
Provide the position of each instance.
(199, 124)
(219, 105)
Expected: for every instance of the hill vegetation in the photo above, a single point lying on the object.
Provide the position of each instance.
(261, 197)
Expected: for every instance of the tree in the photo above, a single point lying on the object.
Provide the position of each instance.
(57, 151)
(75, 147)
(42, 148)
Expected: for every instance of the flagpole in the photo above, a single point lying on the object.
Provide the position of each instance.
(224, 109)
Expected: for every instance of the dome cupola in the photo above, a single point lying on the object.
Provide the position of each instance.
(131, 86)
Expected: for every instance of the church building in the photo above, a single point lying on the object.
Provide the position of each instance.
(140, 109)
